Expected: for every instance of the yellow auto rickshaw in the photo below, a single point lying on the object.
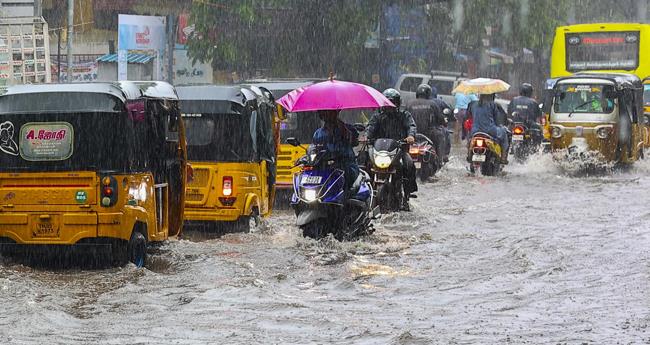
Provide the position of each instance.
(232, 147)
(597, 118)
(99, 164)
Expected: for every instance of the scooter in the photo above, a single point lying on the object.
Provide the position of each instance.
(322, 205)
(484, 154)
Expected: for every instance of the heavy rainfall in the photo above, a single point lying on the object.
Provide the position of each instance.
(324, 171)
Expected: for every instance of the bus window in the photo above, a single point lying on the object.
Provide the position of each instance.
(602, 51)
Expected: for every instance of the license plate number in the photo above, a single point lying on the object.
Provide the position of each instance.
(45, 229)
(418, 165)
(311, 179)
(519, 137)
(478, 158)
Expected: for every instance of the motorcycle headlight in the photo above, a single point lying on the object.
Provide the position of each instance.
(382, 162)
(310, 195)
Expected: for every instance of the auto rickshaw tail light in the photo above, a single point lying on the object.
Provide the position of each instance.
(227, 186)
(108, 191)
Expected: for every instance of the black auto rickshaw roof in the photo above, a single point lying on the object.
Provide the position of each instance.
(620, 80)
(124, 90)
(221, 97)
(280, 88)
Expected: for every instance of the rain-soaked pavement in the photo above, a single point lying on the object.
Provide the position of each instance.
(533, 257)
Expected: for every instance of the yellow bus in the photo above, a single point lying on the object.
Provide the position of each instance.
(601, 47)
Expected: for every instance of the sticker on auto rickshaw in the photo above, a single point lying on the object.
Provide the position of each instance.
(587, 88)
(46, 141)
(81, 196)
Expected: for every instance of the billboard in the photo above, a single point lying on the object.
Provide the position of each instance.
(140, 33)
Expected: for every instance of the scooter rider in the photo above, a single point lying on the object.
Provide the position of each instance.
(485, 118)
(429, 118)
(396, 124)
(525, 106)
(339, 138)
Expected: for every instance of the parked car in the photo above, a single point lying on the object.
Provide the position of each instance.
(443, 81)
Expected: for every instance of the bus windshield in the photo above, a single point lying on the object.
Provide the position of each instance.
(602, 51)
(576, 98)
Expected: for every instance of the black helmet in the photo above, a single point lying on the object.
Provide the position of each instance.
(526, 90)
(393, 96)
(423, 91)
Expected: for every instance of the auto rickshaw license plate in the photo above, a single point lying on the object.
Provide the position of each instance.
(311, 179)
(418, 165)
(478, 158)
(46, 228)
(519, 137)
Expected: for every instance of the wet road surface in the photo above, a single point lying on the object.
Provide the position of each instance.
(532, 257)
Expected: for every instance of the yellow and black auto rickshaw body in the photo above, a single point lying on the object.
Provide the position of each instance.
(597, 118)
(232, 148)
(91, 164)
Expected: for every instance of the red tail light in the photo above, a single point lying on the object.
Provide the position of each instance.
(227, 186)
(307, 168)
(414, 150)
(480, 143)
(518, 130)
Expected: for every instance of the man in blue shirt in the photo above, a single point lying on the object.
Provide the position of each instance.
(340, 139)
(462, 102)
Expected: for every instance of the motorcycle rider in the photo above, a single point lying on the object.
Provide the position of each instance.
(485, 116)
(449, 117)
(526, 107)
(396, 124)
(339, 138)
(429, 118)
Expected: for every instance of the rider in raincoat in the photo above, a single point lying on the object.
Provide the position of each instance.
(485, 118)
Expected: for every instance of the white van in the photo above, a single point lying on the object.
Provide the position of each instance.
(444, 82)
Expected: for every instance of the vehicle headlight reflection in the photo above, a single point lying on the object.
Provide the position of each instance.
(382, 161)
(310, 195)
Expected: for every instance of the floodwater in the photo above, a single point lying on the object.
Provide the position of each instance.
(532, 257)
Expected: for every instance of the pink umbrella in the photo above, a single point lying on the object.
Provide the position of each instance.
(333, 95)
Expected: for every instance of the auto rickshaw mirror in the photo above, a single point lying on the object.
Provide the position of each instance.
(171, 130)
(359, 127)
(280, 112)
(292, 141)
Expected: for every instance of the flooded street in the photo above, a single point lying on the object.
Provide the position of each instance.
(533, 257)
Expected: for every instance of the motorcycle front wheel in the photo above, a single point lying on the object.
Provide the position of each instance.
(315, 230)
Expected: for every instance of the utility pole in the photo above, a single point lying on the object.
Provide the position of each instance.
(70, 35)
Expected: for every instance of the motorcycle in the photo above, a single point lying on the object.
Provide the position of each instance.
(526, 140)
(426, 159)
(484, 154)
(387, 176)
(319, 198)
